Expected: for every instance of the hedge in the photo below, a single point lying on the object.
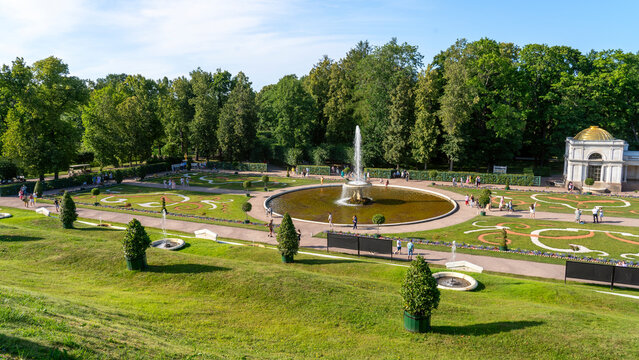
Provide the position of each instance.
(12, 189)
(435, 175)
(239, 166)
(314, 169)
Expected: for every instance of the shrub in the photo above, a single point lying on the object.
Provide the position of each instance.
(163, 205)
(95, 192)
(38, 189)
(287, 240)
(433, 174)
(246, 185)
(135, 241)
(504, 240)
(589, 181)
(8, 170)
(507, 187)
(378, 219)
(318, 170)
(484, 198)
(265, 179)
(141, 171)
(118, 176)
(246, 166)
(68, 214)
(419, 289)
(294, 156)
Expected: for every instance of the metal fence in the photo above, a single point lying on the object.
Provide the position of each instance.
(364, 245)
(614, 275)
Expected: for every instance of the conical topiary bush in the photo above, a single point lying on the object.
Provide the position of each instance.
(420, 294)
(287, 239)
(134, 244)
(68, 214)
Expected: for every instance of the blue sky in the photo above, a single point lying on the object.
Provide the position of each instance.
(269, 39)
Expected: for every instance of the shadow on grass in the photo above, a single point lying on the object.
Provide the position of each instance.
(323, 261)
(185, 268)
(95, 228)
(21, 348)
(19, 238)
(485, 329)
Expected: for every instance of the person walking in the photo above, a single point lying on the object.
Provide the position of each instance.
(532, 211)
(31, 200)
(270, 228)
(399, 247)
(410, 249)
(510, 206)
(386, 184)
(601, 214)
(578, 216)
(595, 215)
(354, 222)
(501, 202)
(466, 199)
(330, 220)
(57, 205)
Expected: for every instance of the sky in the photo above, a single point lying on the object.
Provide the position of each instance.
(269, 39)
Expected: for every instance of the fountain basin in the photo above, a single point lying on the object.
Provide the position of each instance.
(455, 281)
(168, 244)
(400, 205)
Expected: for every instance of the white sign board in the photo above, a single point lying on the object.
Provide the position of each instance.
(499, 169)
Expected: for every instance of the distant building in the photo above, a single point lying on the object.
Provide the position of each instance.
(594, 153)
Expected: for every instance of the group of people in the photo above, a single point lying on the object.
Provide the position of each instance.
(404, 174)
(410, 246)
(597, 215)
(469, 180)
(171, 183)
(29, 199)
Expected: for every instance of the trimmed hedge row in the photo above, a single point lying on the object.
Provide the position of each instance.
(486, 178)
(136, 171)
(239, 166)
(314, 169)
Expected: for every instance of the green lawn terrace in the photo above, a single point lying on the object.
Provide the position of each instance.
(614, 206)
(596, 241)
(231, 181)
(125, 198)
(212, 300)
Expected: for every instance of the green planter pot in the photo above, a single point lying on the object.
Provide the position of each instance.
(503, 248)
(482, 213)
(287, 259)
(416, 324)
(136, 264)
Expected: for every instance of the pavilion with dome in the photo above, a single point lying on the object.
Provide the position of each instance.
(595, 153)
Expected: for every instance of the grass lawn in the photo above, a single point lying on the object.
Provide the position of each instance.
(235, 182)
(219, 206)
(592, 239)
(560, 203)
(67, 294)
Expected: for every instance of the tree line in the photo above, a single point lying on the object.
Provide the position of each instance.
(474, 105)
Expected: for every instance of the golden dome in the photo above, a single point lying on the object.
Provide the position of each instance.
(594, 133)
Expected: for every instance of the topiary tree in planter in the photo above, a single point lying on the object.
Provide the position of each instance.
(95, 192)
(287, 240)
(265, 181)
(483, 200)
(246, 207)
(68, 214)
(503, 245)
(589, 182)
(118, 176)
(507, 187)
(378, 219)
(134, 244)
(420, 294)
(37, 189)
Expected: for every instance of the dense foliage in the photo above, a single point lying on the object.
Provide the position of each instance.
(135, 241)
(474, 105)
(419, 289)
(68, 213)
(287, 240)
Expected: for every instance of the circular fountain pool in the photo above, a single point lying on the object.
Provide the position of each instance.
(455, 281)
(398, 204)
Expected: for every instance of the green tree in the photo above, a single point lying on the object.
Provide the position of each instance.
(246, 207)
(135, 241)
(426, 132)
(68, 212)
(238, 120)
(179, 114)
(317, 84)
(378, 219)
(205, 119)
(419, 289)
(287, 240)
(95, 192)
(396, 143)
(295, 112)
(40, 132)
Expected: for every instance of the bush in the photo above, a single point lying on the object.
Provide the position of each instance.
(320, 155)
(221, 165)
(8, 170)
(287, 240)
(484, 198)
(432, 174)
(589, 181)
(265, 179)
(294, 156)
(68, 214)
(317, 170)
(246, 207)
(95, 192)
(141, 171)
(419, 289)
(135, 241)
(378, 219)
(38, 189)
(118, 176)
(246, 185)
(507, 187)
(504, 240)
